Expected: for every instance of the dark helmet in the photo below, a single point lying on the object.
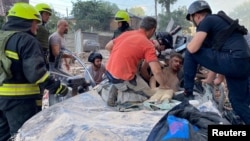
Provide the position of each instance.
(93, 56)
(197, 6)
(166, 39)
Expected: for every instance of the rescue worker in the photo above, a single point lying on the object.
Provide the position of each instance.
(43, 36)
(122, 18)
(42, 32)
(126, 51)
(163, 41)
(29, 73)
(96, 69)
(231, 59)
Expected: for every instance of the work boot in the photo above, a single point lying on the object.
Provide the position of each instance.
(113, 92)
(189, 95)
(184, 96)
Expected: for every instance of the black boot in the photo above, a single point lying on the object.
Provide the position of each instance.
(189, 95)
(185, 96)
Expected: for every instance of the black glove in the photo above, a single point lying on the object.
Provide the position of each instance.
(62, 90)
(54, 87)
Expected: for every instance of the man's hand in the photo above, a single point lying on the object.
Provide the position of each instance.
(67, 66)
(62, 90)
(164, 87)
(156, 43)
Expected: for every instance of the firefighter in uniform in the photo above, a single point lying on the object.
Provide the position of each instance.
(122, 18)
(29, 73)
(42, 32)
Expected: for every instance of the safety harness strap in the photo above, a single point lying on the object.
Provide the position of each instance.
(223, 35)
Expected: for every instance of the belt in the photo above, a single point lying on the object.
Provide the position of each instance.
(116, 81)
(112, 79)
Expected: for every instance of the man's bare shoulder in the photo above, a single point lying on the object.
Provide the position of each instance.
(166, 70)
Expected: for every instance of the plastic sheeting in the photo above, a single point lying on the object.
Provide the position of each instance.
(86, 117)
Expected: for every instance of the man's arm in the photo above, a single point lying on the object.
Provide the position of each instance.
(195, 44)
(144, 71)
(109, 45)
(67, 56)
(158, 74)
(67, 62)
(55, 48)
(152, 82)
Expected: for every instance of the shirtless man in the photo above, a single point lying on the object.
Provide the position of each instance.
(171, 72)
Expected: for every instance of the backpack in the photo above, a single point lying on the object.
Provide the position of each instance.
(5, 62)
(223, 35)
(185, 122)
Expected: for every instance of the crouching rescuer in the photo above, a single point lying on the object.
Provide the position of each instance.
(122, 68)
(18, 93)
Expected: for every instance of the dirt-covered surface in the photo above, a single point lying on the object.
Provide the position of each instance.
(86, 117)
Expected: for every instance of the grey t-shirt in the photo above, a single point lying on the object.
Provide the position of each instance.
(55, 39)
(96, 75)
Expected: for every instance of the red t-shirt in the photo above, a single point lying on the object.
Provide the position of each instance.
(129, 49)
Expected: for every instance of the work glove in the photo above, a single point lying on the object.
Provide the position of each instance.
(162, 95)
(54, 87)
(62, 90)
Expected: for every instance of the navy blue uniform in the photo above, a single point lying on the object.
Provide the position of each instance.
(233, 61)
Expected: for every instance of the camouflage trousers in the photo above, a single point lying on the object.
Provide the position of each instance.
(125, 91)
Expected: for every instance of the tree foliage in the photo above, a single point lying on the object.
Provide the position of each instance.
(93, 14)
(166, 4)
(178, 17)
(52, 23)
(242, 13)
(54, 18)
(138, 11)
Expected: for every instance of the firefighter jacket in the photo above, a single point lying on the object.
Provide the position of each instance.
(119, 31)
(28, 64)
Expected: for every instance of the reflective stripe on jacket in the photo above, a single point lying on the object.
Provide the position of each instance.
(19, 89)
(28, 66)
(11, 54)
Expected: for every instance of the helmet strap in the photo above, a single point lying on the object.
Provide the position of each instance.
(193, 21)
(124, 26)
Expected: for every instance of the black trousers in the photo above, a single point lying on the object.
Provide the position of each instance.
(13, 113)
